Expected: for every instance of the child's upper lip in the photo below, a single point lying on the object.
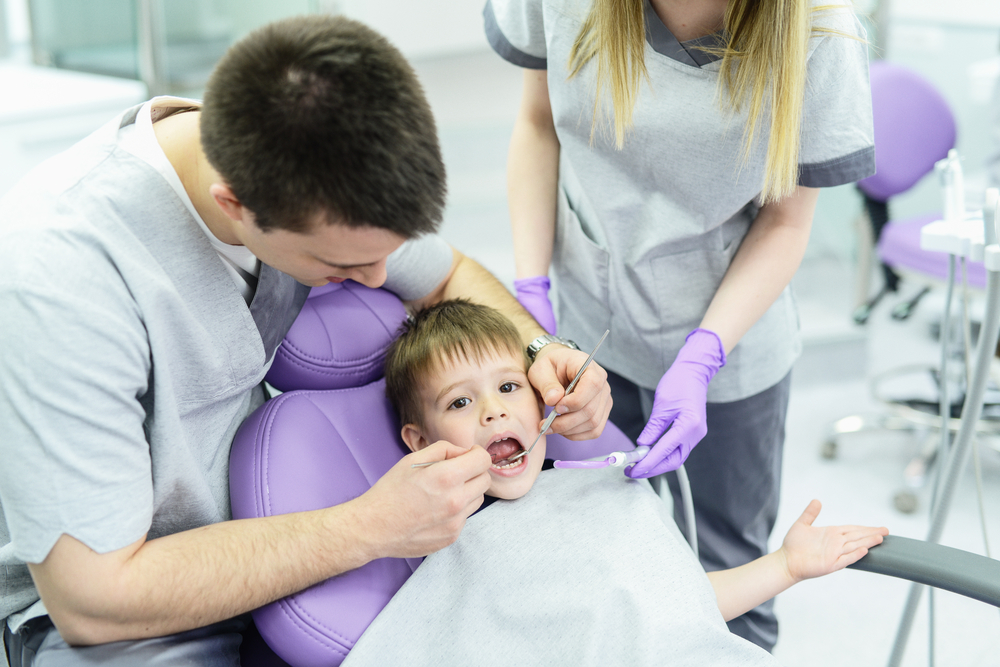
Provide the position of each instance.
(506, 435)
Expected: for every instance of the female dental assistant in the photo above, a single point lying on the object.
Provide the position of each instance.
(664, 167)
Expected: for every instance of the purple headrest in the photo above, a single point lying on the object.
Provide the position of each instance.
(307, 450)
(914, 128)
(339, 338)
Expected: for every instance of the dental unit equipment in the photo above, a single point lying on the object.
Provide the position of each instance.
(612, 460)
(956, 454)
(952, 185)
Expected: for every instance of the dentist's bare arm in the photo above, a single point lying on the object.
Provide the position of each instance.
(532, 178)
(763, 266)
(197, 577)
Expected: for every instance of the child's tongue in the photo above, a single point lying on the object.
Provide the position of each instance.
(503, 449)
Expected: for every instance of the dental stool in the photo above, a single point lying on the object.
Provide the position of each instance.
(914, 128)
(324, 441)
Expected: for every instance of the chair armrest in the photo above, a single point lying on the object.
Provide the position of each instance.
(962, 572)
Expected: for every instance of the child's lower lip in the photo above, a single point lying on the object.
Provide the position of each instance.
(512, 471)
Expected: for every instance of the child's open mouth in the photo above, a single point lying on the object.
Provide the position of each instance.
(504, 447)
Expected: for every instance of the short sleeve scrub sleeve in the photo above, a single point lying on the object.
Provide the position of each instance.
(645, 233)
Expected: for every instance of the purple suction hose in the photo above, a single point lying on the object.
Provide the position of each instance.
(614, 460)
(584, 464)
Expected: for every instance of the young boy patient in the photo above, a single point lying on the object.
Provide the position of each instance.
(588, 568)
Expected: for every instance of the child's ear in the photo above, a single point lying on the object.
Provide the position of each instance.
(414, 437)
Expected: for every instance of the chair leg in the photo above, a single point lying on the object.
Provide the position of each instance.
(903, 310)
(860, 423)
(916, 474)
(865, 262)
(864, 311)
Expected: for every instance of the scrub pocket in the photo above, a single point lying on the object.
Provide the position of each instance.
(581, 269)
(686, 281)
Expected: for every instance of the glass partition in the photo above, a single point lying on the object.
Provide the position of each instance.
(170, 45)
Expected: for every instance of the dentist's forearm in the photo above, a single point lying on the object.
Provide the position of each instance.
(471, 281)
(532, 179)
(763, 266)
(196, 577)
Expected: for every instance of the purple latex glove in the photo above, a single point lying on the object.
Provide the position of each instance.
(678, 422)
(533, 295)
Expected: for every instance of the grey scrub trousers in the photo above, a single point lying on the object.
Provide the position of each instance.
(735, 475)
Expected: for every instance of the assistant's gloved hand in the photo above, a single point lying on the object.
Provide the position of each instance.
(533, 295)
(679, 405)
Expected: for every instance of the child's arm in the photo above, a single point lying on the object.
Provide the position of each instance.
(807, 551)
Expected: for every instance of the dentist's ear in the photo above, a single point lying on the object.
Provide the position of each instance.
(413, 437)
(227, 201)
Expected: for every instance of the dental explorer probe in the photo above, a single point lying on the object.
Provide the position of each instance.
(551, 417)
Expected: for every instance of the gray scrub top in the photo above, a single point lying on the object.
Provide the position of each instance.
(645, 234)
(130, 357)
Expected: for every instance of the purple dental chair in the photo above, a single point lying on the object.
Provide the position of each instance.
(914, 128)
(323, 442)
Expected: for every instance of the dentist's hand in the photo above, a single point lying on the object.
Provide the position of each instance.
(533, 295)
(416, 511)
(584, 412)
(678, 421)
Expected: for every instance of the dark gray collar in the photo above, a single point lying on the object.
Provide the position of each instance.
(662, 41)
(275, 305)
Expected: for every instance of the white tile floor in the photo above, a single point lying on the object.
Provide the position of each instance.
(847, 618)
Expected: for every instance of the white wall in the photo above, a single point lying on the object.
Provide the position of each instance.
(423, 27)
(978, 13)
(16, 15)
(419, 28)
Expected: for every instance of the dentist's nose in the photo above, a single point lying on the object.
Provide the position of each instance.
(373, 276)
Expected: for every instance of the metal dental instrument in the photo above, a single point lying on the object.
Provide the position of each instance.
(552, 416)
(612, 460)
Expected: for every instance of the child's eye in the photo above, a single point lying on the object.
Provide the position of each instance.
(508, 387)
(459, 403)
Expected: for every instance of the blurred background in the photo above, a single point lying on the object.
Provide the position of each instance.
(67, 66)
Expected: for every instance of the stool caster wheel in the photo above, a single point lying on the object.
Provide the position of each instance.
(905, 502)
(829, 449)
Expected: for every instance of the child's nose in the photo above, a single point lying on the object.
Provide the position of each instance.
(493, 410)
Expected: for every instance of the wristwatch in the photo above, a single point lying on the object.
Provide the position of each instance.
(544, 340)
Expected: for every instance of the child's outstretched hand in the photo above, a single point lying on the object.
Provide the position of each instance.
(810, 551)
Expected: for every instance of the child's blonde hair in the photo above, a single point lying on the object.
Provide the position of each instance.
(447, 332)
(763, 66)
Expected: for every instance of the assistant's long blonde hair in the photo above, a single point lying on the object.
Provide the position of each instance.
(763, 66)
